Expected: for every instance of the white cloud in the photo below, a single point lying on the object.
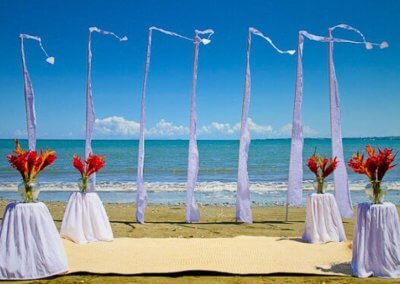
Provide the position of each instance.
(167, 129)
(116, 126)
(260, 129)
(226, 129)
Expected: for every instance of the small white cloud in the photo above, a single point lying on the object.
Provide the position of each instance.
(260, 129)
(167, 129)
(116, 126)
(218, 129)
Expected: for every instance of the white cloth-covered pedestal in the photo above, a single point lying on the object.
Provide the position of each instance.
(30, 246)
(85, 219)
(376, 241)
(323, 220)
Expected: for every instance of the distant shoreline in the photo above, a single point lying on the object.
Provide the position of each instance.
(258, 139)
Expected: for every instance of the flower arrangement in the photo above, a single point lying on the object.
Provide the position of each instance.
(374, 167)
(30, 164)
(86, 168)
(321, 167)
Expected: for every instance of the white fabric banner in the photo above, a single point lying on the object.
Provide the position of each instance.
(192, 210)
(243, 202)
(90, 116)
(342, 192)
(192, 213)
(28, 91)
(294, 195)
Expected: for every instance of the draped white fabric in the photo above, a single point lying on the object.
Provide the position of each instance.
(376, 241)
(342, 193)
(243, 202)
(85, 219)
(323, 221)
(30, 246)
(192, 212)
(28, 90)
(90, 116)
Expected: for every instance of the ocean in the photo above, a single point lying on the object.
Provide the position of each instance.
(166, 163)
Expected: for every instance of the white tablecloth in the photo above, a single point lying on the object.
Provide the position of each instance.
(85, 219)
(376, 241)
(323, 221)
(30, 246)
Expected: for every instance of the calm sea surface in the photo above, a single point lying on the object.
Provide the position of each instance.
(165, 170)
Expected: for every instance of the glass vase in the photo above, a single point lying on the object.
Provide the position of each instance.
(320, 185)
(85, 185)
(376, 192)
(29, 191)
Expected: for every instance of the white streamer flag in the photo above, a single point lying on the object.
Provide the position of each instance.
(243, 203)
(90, 116)
(342, 193)
(192, 214)
(192, 210)
(294, 195)
(28, 91)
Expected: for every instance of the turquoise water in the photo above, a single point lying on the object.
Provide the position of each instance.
(165, 169)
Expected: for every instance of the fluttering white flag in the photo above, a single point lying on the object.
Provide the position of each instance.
(28, 91)
(294, 195)
(243, 203)
(90, 116)
(341, 185)
(192, 213)
(192, 210)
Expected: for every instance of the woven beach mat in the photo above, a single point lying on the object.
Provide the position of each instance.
(241, 255)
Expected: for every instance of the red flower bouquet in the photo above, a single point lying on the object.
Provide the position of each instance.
(86, 168)
(30, 164)
(374, 167)
(321, 167)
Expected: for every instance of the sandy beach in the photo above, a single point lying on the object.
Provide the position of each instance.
(217, 222)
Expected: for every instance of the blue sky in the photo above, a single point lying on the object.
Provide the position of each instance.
(369, 81)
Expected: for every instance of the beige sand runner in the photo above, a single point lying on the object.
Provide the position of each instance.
(239, 255)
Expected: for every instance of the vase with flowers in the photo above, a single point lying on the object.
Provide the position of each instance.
(29, 164)
(87, 168)
(322, 167)
(374, 167)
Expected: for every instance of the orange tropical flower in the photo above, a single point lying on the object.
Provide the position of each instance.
(93, 164)
(376, 165)
(29, 163)
(321, 166)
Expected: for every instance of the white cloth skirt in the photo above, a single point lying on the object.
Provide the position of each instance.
(323, 221)
(30, 245)
(85, 219)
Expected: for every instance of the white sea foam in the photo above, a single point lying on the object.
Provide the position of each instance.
(209, 186)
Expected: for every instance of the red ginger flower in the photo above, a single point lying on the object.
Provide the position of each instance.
(28, 163)
(377, 164)
(321, 167)
(92, 165)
